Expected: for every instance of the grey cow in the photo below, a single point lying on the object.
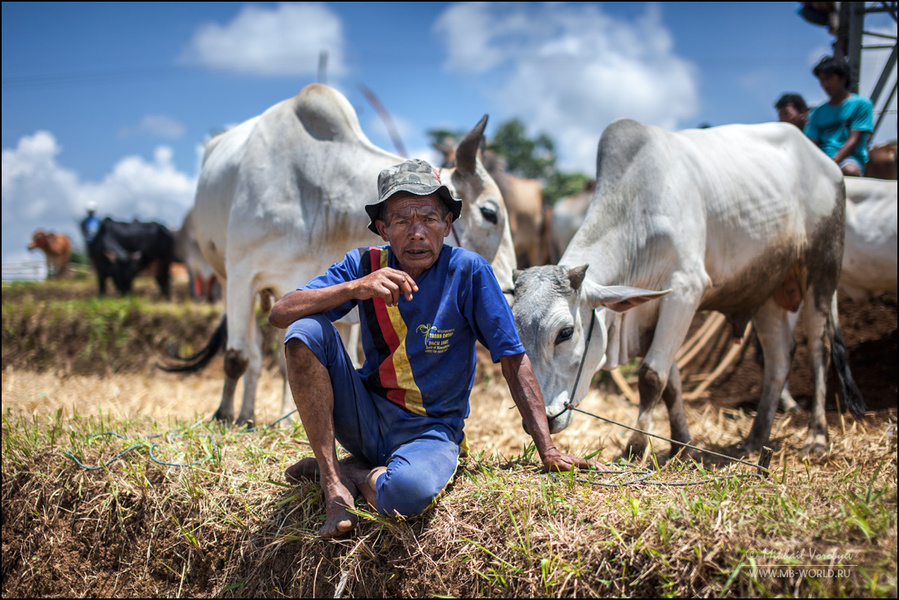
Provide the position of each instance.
(747, 220)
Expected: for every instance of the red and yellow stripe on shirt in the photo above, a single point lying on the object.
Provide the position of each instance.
(395, 371)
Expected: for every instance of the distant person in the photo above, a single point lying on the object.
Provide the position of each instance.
(842, 126)
(791, 108)
(90, 225)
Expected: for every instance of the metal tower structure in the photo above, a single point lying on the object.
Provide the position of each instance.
(848, 44)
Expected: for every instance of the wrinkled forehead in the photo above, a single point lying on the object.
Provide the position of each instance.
(407, 203)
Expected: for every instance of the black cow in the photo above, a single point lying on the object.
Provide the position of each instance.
(122, 250)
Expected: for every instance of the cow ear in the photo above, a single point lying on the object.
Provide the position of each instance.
(467, 152)
(619, 298)
(576, 276)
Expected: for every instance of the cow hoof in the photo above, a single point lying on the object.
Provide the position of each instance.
(249, 422)
(741, 450)
(222, 417)
(632, 453)
(814, 450)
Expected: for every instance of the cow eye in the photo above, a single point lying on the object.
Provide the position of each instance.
(489, 213)
(564, 335)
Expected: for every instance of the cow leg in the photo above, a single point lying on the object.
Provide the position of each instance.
(164, 279)
(814, 321)
(772, 324)
(251, 376)
(675, 315)
(674, 402)
(240, 310)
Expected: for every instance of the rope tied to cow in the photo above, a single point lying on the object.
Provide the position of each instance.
(761, 466)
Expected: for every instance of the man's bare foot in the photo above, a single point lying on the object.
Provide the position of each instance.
(305, 469)
(338, 519)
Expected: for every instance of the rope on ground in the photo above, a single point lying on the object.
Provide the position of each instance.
(644, 475)
(762, 468)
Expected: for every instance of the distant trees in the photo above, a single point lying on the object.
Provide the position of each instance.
(532, 158)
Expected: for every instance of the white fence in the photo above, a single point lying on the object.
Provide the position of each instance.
(35, 270)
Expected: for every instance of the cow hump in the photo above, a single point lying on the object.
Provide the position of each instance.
(327, 115)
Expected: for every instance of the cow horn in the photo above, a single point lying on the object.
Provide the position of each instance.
(467, 152)
(576, 276)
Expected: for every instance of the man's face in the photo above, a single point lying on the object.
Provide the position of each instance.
(789, 114)
(415, 227)
(832, 84)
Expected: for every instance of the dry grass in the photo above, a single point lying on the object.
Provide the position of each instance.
(230, 526)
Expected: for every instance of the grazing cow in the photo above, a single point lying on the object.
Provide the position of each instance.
(882, 162)
(122, 250)
(747, 220)
(57, 250)
(202, 281)
(280, 198)
(524, 203)
(567, 216)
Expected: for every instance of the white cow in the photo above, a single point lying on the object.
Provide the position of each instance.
(869, 257)
(281, 197)
(567, 216)
(203, 284)
(743, 219)
(870, 249)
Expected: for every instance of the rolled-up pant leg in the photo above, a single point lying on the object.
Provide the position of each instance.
(417, 472)
(420, 453)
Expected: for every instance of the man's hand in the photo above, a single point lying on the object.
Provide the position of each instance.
(553, 460)
(529, 400)
(387, 284)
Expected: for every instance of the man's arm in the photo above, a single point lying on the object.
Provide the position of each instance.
(529, 400)
(849, 147)
(388, 284)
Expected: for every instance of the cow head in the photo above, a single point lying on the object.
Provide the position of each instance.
(483, 226)
(38, 240)
(124, 267)
(553, 308)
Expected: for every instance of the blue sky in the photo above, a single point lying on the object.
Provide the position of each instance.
(112, 102)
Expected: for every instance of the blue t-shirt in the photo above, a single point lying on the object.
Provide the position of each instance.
(420, 354)
(829, 126)
(89, 228)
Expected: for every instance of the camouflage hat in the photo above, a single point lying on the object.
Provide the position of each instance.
(416, 177)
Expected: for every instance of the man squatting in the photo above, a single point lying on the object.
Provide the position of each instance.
(422, 306)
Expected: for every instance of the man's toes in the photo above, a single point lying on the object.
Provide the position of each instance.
(305, 469)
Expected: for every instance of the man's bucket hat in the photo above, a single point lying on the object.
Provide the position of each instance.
(416, 177)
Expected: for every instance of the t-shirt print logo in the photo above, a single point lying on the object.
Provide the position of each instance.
(436, 340)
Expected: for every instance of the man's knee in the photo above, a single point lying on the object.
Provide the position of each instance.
(408, 494)
(312, 334)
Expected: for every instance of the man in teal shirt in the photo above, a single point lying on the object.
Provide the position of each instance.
(842, 126)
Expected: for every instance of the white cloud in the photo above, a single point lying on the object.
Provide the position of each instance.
(570, 70)
(286, 40)
(39, 193)
(156, 125)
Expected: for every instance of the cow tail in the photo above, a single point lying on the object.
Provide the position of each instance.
(851, 394)
(196, 362)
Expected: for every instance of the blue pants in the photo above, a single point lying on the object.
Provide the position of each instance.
(420, 453)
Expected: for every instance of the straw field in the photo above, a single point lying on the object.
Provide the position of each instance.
(227, 524)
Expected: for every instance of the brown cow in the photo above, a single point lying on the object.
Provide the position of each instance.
(524, 203)
(57, 249)
(882, 162)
